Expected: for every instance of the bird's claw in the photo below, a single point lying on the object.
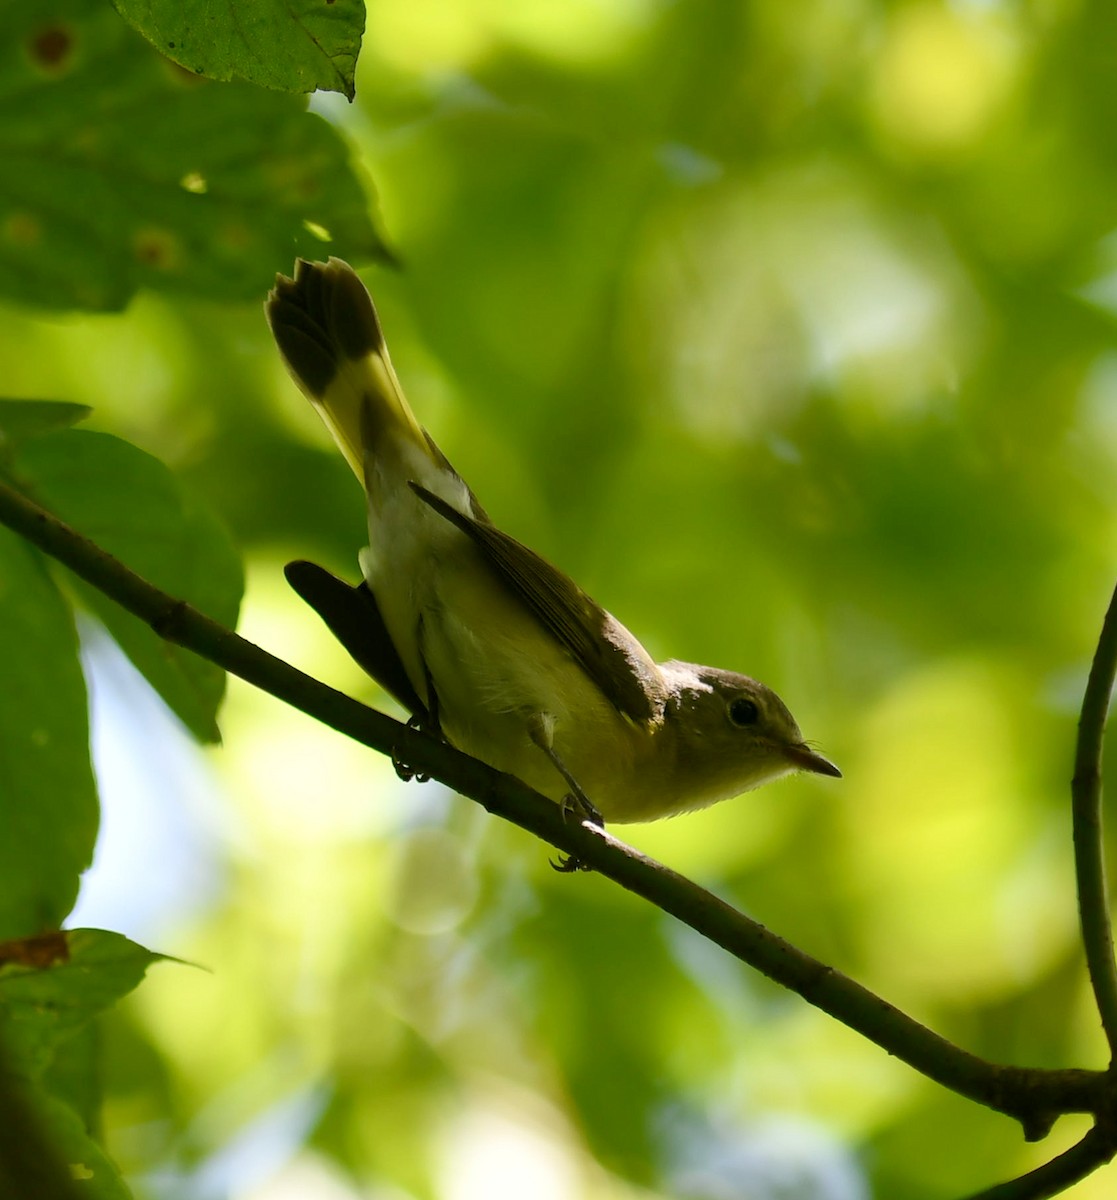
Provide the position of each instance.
(576, 804)
(405, 772)
(567, 864)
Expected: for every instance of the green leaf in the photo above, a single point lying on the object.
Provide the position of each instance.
(119, 170)
(75, 1076)
(48, 800)
(94, 1173)
(131, 505)
(50, 988)
(289, 45)
(22, 419)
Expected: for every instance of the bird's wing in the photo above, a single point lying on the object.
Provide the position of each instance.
(352, 616)
(612, 658)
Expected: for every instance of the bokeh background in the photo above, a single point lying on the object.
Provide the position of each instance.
(788, 330)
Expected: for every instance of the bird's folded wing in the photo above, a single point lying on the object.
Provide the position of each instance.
(612, 658)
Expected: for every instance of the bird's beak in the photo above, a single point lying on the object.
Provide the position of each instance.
(806, 759)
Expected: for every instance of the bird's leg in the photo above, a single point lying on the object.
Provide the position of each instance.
(428, 722)
(574, 803)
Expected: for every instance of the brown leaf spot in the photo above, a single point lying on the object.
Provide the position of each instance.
(157, 248)
(235, 236)
(52, 49)
(39, 952)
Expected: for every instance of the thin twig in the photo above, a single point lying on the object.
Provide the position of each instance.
(1055, 1176)
(1035, 1097)
(1089, 847)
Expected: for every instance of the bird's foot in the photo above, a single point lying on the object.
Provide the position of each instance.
(403, 770)
(576, 805)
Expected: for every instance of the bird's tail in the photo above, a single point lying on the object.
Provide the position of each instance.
(327, 330)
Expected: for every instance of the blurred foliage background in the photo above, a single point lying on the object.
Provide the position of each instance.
(788, 331)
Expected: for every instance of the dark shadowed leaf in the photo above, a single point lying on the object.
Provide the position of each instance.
(49, 1150)
(131, 506)
(91, 1168)
(48, 800)
(20, 419)
(119, 170)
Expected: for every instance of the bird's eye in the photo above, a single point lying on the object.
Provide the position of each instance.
(743, 712)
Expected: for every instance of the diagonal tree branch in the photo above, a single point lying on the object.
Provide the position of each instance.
(1089, 844)
(1035, 1097)
(1084, 1157)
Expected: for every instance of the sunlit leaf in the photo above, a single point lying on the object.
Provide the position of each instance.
(43, 1001)
(292, 46)
(51, 987)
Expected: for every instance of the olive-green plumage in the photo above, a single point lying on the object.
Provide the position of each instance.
(481, 638)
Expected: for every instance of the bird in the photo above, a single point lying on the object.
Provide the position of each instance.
(480, 639)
